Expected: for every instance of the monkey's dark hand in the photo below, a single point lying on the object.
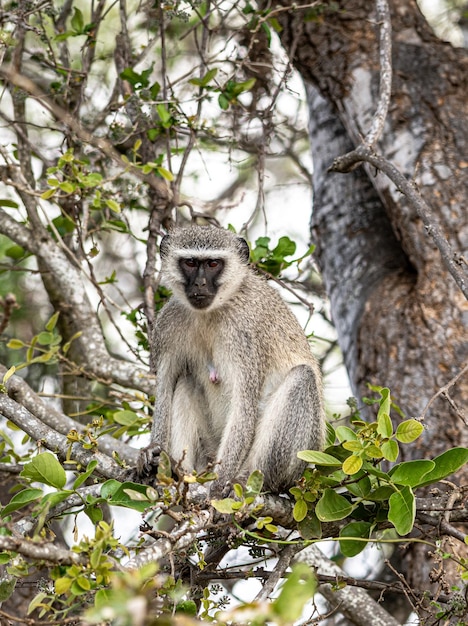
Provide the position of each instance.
(148, 461)
(221, 489)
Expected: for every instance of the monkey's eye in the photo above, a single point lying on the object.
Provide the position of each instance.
(190, 262)
(212, 263)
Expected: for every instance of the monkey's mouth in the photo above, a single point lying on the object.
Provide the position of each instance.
(200, 300)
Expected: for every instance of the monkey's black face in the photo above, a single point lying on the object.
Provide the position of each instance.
(201, 278)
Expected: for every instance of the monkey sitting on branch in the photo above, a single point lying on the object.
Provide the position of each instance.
(237, 383)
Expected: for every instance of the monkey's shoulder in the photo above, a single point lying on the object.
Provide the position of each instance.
(261, 299)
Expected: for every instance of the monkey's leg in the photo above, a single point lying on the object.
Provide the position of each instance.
(292, 420)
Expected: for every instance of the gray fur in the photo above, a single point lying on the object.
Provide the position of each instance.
(236, 382)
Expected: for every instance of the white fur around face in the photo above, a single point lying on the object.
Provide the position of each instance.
(229, 281)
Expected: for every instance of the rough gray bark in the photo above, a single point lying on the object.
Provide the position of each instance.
(401, 319)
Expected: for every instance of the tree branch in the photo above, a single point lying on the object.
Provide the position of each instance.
(353, 602)
(56, 442)
(385, 85)
(365, 153)
(41, 551)
(451, 260)
(27, 85)
(21, 392)
(63, 280)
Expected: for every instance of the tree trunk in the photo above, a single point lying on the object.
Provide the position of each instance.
(400, 317)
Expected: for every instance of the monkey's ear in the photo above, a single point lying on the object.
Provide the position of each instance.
(243, 249)
(164, 245)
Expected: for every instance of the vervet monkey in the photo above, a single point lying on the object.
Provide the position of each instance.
(236, 380)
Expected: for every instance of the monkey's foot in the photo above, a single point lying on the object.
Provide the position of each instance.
(148, 461)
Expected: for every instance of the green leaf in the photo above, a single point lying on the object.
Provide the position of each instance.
(353, 446)
(15, 252)
(409, 430)
(163, 113)
(121, 495)
(374, 452)
(164, 467)
(9, 203)
(7, 586)
(255, 482)
(354, 530)
(390, 450)
(310, 527)
(154, 90)
(300, 510)
(22, 499)
(332, 507)
(52, 322)
(36, 602)
(92, 180)
(223, 102)
(166, 174)
(54, 498)
(362, 488)
(266, 29)
(113, 205)
(94, 513)
(45, 195)
(135, 79)
(273, 22)
(44, 338)
(330, 435)
(81, 478)
(125, 418)
(352, 465)
(445, 464)
(319, 458)
(298, 588)
(381, 493)
(45, 468)
(384, 425)
(9, 374)
(402, 510)
(187, 607)
(237, 88)
(207, 78)
(226, 506)
(344, 433)
(64, 224)
(285, 247)
(77, 21)
(410, 473)
(62, 585)
(385, 402)
(109, 487)
(15, 344)
(67, 187)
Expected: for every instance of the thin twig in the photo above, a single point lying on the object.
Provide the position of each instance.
(27, 85)
(287, 554)
(444, 390)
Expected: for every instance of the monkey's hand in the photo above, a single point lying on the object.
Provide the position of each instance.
(148, 461)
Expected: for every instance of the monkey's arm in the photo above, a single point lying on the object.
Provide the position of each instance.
(166, 378)
(238, 435)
